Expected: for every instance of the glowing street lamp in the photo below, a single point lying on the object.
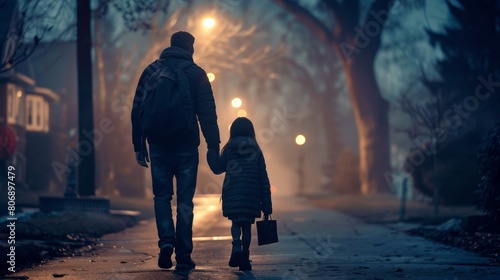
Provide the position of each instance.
(208, 22)
(211, 77)
(236, 103)
(300, 140)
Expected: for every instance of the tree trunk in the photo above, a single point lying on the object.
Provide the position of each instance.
(371, 115)
(370, 109)
(105, 173)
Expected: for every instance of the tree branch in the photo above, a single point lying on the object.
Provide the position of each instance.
(376, 7)
(308, 19)
(374, 16)
(334, 6)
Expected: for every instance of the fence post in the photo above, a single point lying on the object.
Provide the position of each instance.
(402, 210)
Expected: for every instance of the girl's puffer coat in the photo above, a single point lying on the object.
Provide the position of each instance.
(246, 189)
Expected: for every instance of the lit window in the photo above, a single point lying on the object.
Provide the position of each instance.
(46, 111)
(10, 101)
(38, 114)
(15, 108)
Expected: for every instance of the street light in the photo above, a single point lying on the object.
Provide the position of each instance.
(208, 22)
(211, 77)
(300, 140)
(236, 103)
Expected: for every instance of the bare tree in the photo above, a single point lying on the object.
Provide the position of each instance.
(322, 92)
(113, 62)
(136, 16)
(24, 25)
(356, 40)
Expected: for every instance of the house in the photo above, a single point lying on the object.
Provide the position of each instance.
(25, 112)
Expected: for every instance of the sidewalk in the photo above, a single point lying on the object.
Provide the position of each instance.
(314, 244)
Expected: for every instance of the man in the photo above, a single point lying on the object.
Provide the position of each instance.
(178, 155)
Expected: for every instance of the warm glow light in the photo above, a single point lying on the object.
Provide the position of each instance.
(242, 113)
(19, 93)
(274, 189)
(212, 238)
(211, 77)
(300, 140)
(209, 22)
(229, 128)
(236, 103)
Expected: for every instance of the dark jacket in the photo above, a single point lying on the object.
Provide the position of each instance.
(246, 189)
(201, 93)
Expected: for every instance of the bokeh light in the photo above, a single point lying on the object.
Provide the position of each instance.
(236, 103)
(211, 77)
(274, 189)
(208, 22)
(242, 113)
(300, 140)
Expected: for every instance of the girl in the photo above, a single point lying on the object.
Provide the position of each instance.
(246, 190)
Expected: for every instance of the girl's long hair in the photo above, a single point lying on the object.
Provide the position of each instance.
(241, 127)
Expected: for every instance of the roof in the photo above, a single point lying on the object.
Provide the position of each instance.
(45, 92)
(16, 77)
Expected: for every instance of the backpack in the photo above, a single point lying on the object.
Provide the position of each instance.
(167, 107)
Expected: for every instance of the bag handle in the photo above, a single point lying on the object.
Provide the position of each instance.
(270, 218)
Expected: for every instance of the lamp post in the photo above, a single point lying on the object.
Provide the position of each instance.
(300, 140)
(86, 168)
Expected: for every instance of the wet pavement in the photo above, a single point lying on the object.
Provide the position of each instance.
(314, 244)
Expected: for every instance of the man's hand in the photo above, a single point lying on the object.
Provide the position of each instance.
(142, 158)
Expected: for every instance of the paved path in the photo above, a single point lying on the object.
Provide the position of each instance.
(314, 244)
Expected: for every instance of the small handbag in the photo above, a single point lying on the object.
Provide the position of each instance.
(267, 232)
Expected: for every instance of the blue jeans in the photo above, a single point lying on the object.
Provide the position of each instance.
(183, 164)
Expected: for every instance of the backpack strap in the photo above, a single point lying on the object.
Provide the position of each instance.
(182, 80)
(185, 64)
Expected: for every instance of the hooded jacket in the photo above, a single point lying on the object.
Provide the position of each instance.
(201, 93)
(246, 189)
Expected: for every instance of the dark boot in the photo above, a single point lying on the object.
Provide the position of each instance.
(185, 263)
(164, 260)
(234, 261)
(245, 261)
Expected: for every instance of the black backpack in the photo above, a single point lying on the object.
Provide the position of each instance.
(167, 107)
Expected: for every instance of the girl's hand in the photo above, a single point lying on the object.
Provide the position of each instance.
(266, 217)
